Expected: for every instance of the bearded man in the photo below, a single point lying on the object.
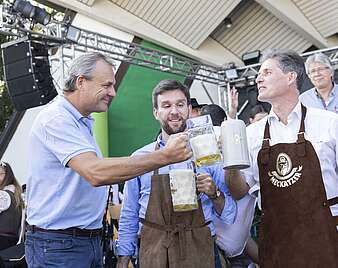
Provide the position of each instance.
(167, 238)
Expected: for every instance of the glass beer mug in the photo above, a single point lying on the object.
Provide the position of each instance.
(183, 187)
(203, 141)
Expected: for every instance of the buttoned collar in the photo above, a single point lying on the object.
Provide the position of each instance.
(160, 140)
(296, 113)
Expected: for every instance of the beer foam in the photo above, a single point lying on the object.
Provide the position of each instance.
(183, 187)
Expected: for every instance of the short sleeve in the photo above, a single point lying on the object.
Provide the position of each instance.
(66, 138)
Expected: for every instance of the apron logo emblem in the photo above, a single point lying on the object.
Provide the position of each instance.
(284, 175)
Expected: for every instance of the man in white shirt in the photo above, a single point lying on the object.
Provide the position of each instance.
(294, 170)
(232, 239)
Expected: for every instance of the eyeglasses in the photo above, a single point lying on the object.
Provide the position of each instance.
(318, 70)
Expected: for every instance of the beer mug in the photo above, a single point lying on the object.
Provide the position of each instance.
(183, 187)
(234, 144)
(203, 141)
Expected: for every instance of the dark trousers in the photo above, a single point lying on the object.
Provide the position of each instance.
(7, 241)
(240, 261)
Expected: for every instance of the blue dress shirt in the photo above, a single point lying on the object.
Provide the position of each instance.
(136, 197)
(312, 98)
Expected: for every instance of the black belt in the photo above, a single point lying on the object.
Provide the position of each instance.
(73, 231)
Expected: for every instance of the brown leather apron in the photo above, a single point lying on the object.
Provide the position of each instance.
(173, 239)
(298, 229)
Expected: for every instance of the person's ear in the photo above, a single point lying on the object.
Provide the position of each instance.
(292, 77)
(189, 109)
(155, 113)
(80, 80)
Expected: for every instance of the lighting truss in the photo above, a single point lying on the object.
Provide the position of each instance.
(136, 54)
(54, 34)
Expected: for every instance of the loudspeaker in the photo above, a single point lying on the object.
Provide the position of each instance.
(27, 74)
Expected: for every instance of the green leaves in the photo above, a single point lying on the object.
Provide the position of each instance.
(6, 107)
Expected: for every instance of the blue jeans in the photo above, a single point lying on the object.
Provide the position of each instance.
(217, 258)
(44, 249)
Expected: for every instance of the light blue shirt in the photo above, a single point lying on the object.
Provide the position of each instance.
(136, 197)
(57, 196)
(312, 98)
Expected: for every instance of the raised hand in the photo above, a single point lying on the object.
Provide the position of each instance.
(177, 149)
(233, 103)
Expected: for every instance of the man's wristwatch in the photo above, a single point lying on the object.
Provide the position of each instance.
(216, 195)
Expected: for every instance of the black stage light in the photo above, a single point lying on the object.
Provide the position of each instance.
(227, 22)
(251, 57)
(29, 11)
(25, 8)
(41, 16)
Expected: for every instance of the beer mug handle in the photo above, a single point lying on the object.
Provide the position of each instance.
(191, 165)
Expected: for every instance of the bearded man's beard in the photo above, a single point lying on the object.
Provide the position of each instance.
(169, 130)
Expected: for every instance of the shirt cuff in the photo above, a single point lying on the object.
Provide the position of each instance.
(125, 248)
(254, 190)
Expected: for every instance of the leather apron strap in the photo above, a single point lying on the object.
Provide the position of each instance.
(301, 148)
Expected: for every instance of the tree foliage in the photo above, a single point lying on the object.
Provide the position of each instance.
(6, 107)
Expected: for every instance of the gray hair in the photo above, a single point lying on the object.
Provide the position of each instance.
(288, 61)
(83, 65)
(321, 58)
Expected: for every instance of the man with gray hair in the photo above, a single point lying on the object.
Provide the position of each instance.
(65, 205)
(324, 94)
(294, 170)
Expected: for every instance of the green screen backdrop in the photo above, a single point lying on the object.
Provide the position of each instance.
(131, 123)
(101, 132)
